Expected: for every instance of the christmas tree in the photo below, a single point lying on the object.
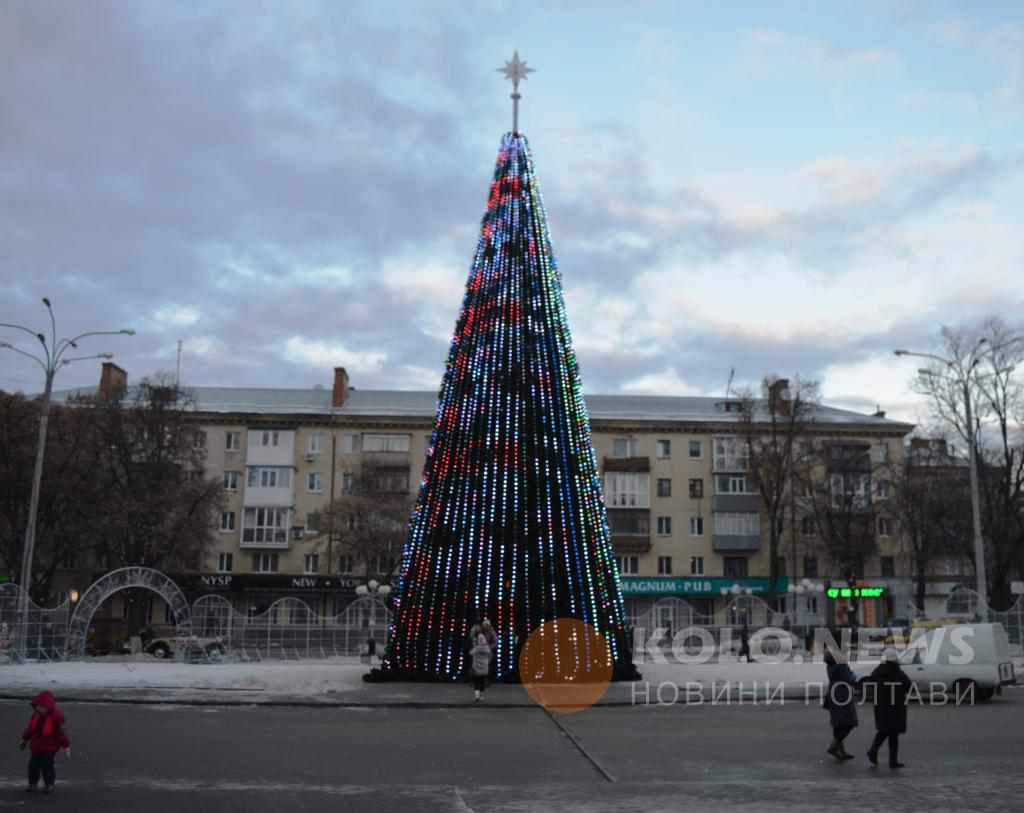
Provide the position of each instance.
(510, 523)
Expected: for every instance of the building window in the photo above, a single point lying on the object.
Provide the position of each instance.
(731, 484)
(951, 566)
(265, 562)
(227, 521)
(225, 562)
(697, 488)
(269, 437)
(696, 526)
(851, 491)
(696, 449)
(664, 449)
(386, 443)
(664, 526)
(627, 489)
(628, 565)
(625, 447)
(232, 441)
(888, 567)
(696, 565)
(882, 488)
(231, 479)
(269, 477)
(315, 443)
(347, 483)
(314, 483)
(350, 443)
(313, 521)
(731, 454)
(745, 523)
(810, 567)
(629, 524)
(199, 440)
(884, 526)
(346, 563)
(312, 563)
(266, 525)
(882, 452)
(807, 526)
(812, 604)
(386, 480)
(664, 565)
(734, 567)
(664, 487)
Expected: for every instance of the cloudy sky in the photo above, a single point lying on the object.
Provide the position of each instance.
(291, 186)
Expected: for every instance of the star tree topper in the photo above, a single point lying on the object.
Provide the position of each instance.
(515, 70)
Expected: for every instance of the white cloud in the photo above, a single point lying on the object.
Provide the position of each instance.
(324, 355)
(175, 316)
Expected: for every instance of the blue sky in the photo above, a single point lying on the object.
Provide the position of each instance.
(789, 188)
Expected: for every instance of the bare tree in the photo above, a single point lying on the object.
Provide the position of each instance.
(996, 392)
(930, 499)
(69, 497)
(835, 492)
(370, 518)
(772, 429)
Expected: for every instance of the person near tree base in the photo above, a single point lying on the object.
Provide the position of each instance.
(45, 736)
(889, 685)
(481, 655)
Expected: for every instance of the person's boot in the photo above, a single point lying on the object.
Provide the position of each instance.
(836, 750)
(873, 756)
(895, 765)
(844, 753)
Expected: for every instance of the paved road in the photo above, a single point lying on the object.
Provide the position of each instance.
(172, 758)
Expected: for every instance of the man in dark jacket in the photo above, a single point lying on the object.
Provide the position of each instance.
(839, 701)
(46, 736)
(889, 686)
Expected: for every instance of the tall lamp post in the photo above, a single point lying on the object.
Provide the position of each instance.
(52, 358)
(961, 370)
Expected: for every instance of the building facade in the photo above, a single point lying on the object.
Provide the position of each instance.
(686, 520)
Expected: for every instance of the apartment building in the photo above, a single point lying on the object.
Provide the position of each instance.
(685, 518)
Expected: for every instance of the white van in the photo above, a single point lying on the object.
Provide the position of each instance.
(958, 657)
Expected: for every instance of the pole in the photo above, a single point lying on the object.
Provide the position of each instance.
(30, 528)
(979, 542)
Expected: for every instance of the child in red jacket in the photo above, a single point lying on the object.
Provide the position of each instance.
(46, 735)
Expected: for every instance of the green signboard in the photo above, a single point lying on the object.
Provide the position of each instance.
(855, 592)
(692, 585)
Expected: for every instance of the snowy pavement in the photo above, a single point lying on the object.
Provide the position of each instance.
(339, 682)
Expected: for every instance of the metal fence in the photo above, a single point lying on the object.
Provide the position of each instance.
(40, 635)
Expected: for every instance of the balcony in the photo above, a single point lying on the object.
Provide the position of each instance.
(264, 539)
(386, 460)
(631, 530)
(735, 543)
(636, 464)
(740, 503)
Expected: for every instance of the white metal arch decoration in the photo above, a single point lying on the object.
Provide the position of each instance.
(127, 578)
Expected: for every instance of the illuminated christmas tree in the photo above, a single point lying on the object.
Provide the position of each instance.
(510, 523)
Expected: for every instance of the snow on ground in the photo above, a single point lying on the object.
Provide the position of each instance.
(340, 680)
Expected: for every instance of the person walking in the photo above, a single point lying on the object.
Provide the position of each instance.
(839, 701)
(481, 655)
(890, 684)
(46, 736)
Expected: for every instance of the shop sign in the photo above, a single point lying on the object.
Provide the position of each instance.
(694, 586)
(869, 591)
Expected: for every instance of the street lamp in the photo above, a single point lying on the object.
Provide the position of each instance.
(961, 370)
(51, 359)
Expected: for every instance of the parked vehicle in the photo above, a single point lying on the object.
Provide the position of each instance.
(165, 647)
(959, 657)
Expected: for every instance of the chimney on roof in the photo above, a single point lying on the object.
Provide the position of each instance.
(779, 397)
(879, 412)
(340, 394)
(113, 382)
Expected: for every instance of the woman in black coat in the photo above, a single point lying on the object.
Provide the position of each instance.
(839, 700)
(889, 686)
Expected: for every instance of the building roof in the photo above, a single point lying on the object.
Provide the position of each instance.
(423, 404)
